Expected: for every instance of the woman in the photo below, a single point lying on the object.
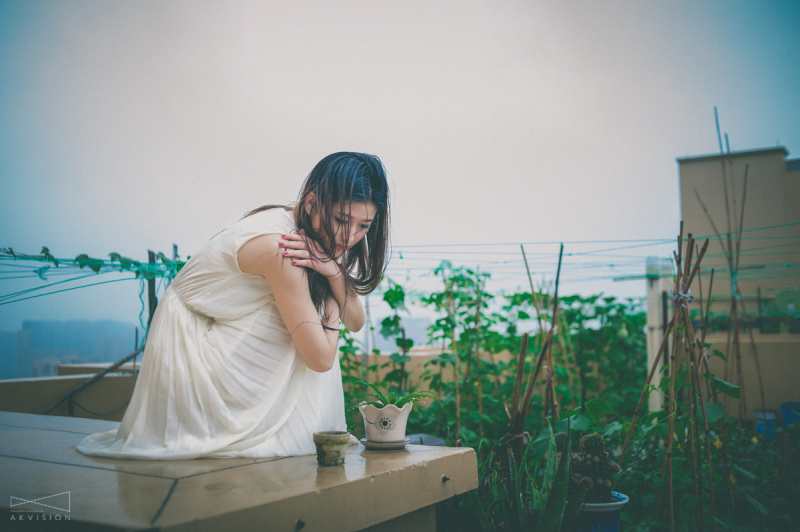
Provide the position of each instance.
(241, 359)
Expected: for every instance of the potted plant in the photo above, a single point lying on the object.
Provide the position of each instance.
(526, 493)
(385, 416)
(602, 506)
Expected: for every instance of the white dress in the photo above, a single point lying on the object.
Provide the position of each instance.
(220, 376)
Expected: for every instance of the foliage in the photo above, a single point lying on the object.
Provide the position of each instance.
(398, 400)
(527, 495)
(163, 267)
(599, 359)
(391, 327)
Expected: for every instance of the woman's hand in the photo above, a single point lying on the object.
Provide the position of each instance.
(296, 247)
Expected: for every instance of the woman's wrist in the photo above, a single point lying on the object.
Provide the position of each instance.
(337, 274)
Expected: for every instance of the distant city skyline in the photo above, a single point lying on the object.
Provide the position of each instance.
(39, 346)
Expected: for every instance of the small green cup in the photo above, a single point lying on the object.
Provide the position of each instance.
(331, 447)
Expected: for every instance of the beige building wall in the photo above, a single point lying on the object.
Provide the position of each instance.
(769, 261)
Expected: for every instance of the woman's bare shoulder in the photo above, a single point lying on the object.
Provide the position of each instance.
(261, 255)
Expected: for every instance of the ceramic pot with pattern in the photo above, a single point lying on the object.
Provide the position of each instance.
(385, 425)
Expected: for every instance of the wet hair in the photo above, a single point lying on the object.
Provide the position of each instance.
(339, 178)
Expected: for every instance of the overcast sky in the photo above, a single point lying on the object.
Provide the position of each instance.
(133, 125)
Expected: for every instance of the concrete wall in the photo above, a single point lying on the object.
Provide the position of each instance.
(768, 262)
(34, 396)
(779, 360)
(419, 357)
(773, 196)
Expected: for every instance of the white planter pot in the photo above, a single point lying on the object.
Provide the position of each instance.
(387, 424)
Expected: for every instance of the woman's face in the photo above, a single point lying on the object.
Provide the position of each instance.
(350, 219)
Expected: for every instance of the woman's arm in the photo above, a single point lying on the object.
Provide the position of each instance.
(353, 315)
(295, 248)
(315, 344)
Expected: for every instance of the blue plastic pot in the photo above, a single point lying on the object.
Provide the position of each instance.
(601, 517)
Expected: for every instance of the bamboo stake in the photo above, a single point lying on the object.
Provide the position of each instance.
(644, 390)
(526, 400)
(697, 462)
(548, 341)
(563, 340)
(741, 219)
(520, 372)
(478, 358)
(516, 420)
(533, 291)
(550, 395)
(653, 368)
(673, 370)
(705, 423)
(694, 433)
(717, 232)
(681, 289)
(551, 380)
(738, 357)
(755, 354)
(724, 178)
(519, 410)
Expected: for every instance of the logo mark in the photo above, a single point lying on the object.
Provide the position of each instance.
(59, 501)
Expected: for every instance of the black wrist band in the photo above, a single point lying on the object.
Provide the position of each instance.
(329, 328)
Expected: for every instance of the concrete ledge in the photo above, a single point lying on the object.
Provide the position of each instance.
(83, 369)
(394, 489)
(108, 397)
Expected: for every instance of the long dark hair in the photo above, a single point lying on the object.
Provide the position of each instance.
(338, 178)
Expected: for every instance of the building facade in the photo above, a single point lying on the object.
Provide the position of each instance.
(748, 204)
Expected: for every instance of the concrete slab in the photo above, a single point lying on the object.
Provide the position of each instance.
(38, 460)
(65, 424)
(64, 493)
(59, 447)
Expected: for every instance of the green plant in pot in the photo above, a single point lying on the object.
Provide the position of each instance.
(386, 415)
(592, 466)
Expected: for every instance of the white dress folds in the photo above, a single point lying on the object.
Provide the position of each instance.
(220, 376)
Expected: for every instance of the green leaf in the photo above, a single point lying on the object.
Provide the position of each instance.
(390, 326)
(550, 519)
(579, 422)
(399, 358)
(757, 505)
(714, 412)
(726, 387)
(378, 393)
(744, 472)
(597, 408)
(85, 260)
(409, 343)
(612, 428)
(663, 385)
(718, 353)
(395, 297)
(46, 254)
(574, 505)
(551, 466)
(415, 397)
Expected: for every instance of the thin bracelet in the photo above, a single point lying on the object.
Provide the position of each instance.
(329, 328)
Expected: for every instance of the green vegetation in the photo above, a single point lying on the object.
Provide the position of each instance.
(596, 368)
(398, 400)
